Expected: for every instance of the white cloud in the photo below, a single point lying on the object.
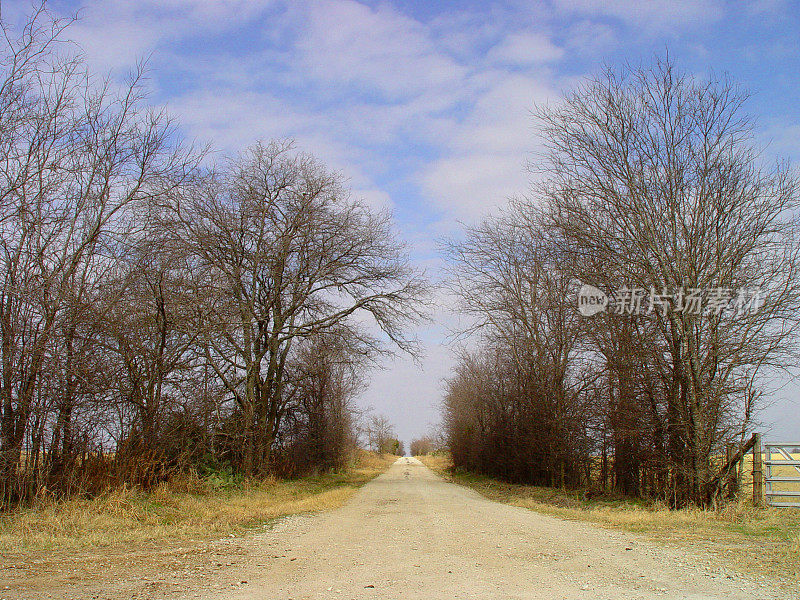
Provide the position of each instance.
(467, 33)
(235, 118)
(590, 38)
(473, 185)
(484, 164)
(780, 139)
(525, 49)
(115, 34)
(400, 91)
(648, 14)
(380, 51)
(374, 198)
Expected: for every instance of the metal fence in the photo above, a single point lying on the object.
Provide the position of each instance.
(782, 477)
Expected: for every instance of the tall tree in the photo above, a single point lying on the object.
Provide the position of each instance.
(655, 175)
(74, 153)
(286, 254)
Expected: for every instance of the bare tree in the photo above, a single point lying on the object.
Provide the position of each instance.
(325, 374)
(73, 155)
(652, 183)
(150, 293)
(285, 254)
(155, 316)
(381, 435)
(654, 175)
(510, 278)
(422, 446)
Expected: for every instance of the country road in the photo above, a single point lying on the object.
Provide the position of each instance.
(408, 534)
(411, 535)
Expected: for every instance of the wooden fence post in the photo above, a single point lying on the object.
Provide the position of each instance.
(758, 471)
(732, 480)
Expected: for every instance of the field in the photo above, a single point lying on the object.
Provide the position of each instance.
(780, 471)
(756, 541)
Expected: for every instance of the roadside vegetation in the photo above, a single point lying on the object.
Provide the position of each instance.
(381, 436)
(736, 532)
(185, 508)
(167, 311)
(652, 194)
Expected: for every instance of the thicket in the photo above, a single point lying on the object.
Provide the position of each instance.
(158, 314)
(652, 190)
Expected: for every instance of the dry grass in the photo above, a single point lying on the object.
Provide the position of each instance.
(758, 541)
(187, 508)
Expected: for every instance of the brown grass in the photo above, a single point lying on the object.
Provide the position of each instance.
(183, 509)
(758, 541)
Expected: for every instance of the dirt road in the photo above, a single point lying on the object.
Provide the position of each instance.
(408, 534)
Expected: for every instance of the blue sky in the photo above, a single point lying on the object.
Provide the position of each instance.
(425, 106)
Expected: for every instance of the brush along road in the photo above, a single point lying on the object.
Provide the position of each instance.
(408, 534)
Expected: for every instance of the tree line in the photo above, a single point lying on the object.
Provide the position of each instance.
(159, 314)
(381, 436)
(653, 194)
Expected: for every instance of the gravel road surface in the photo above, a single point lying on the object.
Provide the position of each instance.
(408, 534)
